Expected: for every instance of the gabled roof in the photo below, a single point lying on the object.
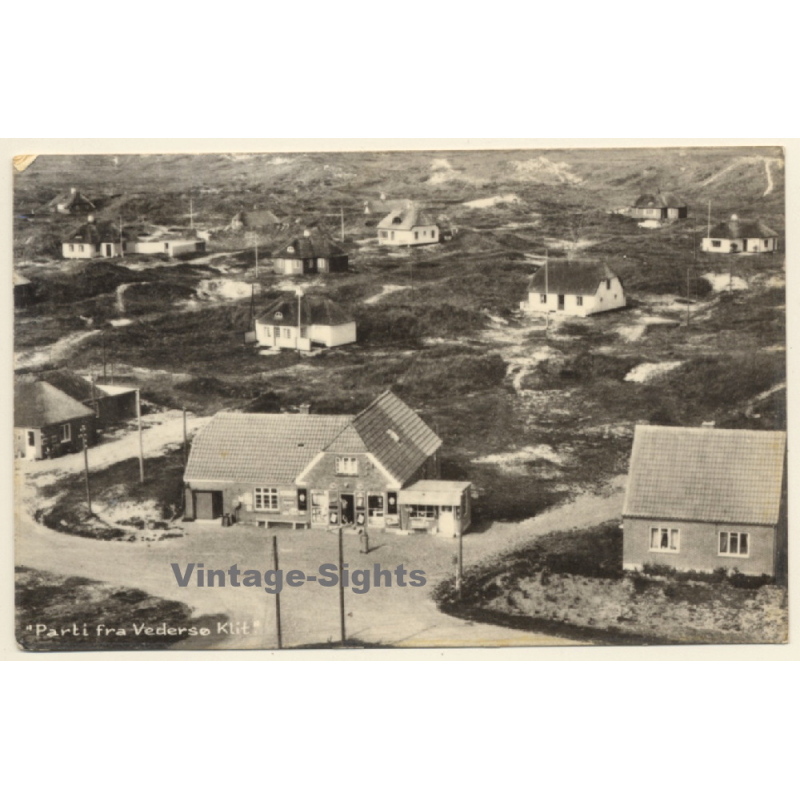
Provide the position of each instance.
(570, 277)
(267, 448)
(659, 200)
(396, 436)
(706, 474)
(315, 245)
(70, 198)
(79, 388)
(37, 403)
(314, 311)
(736, 228)
(257, 218)
(95, 233)
(20, 280)
(405, 218)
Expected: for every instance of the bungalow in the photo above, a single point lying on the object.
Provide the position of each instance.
(658, 206)
(94, 239)
(579, 288)
(703, 498)
(310, 253)
(740, 236)
(110, 403)
(378, 470)
(407, 225)
(48, 422)
(71, 202)
(299, 322)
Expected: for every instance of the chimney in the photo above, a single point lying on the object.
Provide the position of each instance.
(73, 191)
(709, 424)
(304, 408)
(734, 218)
(90, 218)
(307, 233)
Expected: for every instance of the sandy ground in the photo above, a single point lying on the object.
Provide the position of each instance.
(396, 616)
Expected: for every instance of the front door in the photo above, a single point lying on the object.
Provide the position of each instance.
(108, 249)
(208, 505)
(561, 302)
(447, 521)
(744, 245)
(348, 504)
(30, 445)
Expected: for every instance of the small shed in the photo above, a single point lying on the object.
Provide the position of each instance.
(436, 506)
(579, 288)
(705, 498)
(111, 403)
(740, 236)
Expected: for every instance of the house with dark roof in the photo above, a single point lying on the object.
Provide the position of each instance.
(407, 225)
(579, 288)
(705, 498)
(658, 206)
(740, 236)
(48, 422)
(310, 253)
(299, 322)
(259, 219)
(110, 403)
(376, 470)
(72, 201)
(94, 239)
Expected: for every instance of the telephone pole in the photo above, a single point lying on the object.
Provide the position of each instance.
(341, 587)
(141, 446)
(277, 594)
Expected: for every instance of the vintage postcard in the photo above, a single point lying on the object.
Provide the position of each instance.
(400, 399)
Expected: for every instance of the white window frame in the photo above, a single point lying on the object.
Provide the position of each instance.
(543, 298)
(265, 498)
(729, 543)
(423, 512)
(65, 433)
(578, 299)
(346, 465)
(660, 530)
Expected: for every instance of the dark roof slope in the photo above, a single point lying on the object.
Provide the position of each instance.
(78, 387)
(95, 233)
(706, 474)
(315, 245)
(37, 404)
(659, 200)
(736, 228)
(570, 277)
(314, 311)
(270, 448)
(396, 436)
(69, 199)
(405, 218)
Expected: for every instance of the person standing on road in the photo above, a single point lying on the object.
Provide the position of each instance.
(363, 540)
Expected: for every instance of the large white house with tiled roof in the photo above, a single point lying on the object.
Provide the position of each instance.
(579, 288)
(705, 498)
(407, 225)
(378, 469)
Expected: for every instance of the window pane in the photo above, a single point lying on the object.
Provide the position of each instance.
(653, 538)
(664, 539)
(743, 543)
(723, 542)
(734, 538)
(675, 539)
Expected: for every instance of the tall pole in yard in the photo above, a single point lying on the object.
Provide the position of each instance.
(185, 440)
(84, 435)
(103, 340)
(341, 586)
(460, 565)
(708, 230)
(342, 210)
(141, 446)
(277, 594)
(546, 295)
(256, 244)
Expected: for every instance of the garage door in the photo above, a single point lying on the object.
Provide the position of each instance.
(208, 505)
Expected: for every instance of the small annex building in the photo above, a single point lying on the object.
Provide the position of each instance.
(313, 252)
(94, 239)
(316, 471)
(111, 403)
(578, 288)
(48, 422)
(299, 322)
(740, 236)
(658, 206)
(705, 498)
(406, 226)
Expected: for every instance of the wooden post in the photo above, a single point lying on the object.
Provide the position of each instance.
(86, 471)
(460, 564)
(185, 440)
(277, 594)
(141, 446)
(256, 256)
(103, 340)
(341, 586)
(546, 296)
(341, 208)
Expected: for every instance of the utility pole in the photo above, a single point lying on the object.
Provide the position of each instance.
(460, 565)
(299, 316)
(256, 246)
(185, 440)
(708, 231)
(253, 306)
(277, 594)
(546, 295)
(341, 586)
(341, 208)
(103, 340)
(84, 436)
(141, 446)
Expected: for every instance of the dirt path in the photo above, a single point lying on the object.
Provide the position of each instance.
(396, 616)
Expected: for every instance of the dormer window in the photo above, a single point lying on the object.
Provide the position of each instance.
(397, 220)
(290, 249)
(278, 315)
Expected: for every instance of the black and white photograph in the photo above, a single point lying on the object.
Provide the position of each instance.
(382, 399)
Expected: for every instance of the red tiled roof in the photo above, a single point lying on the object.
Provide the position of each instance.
(396, 436)
(706, 474)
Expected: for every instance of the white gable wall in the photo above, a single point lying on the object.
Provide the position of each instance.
(421, 234)
(609, 295)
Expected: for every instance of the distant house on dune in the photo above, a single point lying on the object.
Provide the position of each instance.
(310, 253)
(579, 288)
(704, 498)
(658, 206)
(94, 239)
(168, 243)
(407, 225)
(48, 422)
(740, 236)
(256, 220)
(376, 470)
(70, 202)
(297, 323)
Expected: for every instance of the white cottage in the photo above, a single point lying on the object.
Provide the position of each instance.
(407, 226)
(740, 236)
(579, 288)
(297, 323)
(94, 239)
